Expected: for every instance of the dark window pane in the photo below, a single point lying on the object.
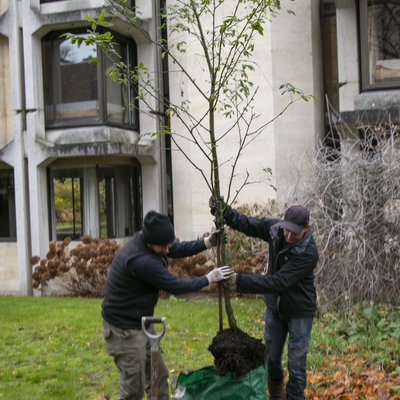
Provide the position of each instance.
(383, 20)
(136, 196)
(7, 205)
(78, 97)
(70, 82)
(117, 94)
(120, 205)
(330, 58)
(120, 96)
(107, 207)
(67, 207)
(48, 87)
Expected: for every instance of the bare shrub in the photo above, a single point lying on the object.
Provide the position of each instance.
(83, 269)
(354, 199)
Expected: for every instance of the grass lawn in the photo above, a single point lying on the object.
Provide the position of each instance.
(52, 348)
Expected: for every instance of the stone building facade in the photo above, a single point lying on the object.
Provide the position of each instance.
(66, 132)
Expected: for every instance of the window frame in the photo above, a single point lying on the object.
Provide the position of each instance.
(127, 203)
(133, 213)
(364, 54)
(102, 116)
(65, 173)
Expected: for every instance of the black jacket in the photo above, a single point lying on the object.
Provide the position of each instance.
(136, 276)
(289, 283)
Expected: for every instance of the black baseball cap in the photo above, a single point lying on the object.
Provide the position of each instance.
(296, 218)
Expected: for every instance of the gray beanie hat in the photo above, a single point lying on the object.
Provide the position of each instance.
(157, 229)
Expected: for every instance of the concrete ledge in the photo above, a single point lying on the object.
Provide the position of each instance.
(70, 5)
(377, 100)
(370, 116)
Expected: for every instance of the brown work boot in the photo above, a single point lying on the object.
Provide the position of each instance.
(276, 391)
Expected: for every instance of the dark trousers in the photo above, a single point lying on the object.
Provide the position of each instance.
(298, 332)
(131, 352)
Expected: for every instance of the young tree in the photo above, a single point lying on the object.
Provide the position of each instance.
(221, 35)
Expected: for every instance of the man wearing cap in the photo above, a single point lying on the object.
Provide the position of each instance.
(289, 290)
(137, 273)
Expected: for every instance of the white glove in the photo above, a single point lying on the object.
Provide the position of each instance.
(211, 240)
(231, 281)
(219, 274)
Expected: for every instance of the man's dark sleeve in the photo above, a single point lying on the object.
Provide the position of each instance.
(186, 249)
(291, 272)
(250, 226)
(152, 271)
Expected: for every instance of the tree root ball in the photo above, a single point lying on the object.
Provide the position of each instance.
(237, 352)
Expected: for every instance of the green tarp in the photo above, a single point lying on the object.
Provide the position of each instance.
(205, 384)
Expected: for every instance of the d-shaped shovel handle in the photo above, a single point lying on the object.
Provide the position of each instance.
(154, 339)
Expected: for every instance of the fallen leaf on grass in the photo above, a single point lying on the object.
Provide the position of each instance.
(353, 379)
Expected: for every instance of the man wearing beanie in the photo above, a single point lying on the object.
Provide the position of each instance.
(137, 274)
(289, 290)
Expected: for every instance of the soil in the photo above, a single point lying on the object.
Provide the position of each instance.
(237, 352)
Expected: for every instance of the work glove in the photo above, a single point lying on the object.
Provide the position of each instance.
(213, 204)
(219, 274)
(212, 239)
(231, 281)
